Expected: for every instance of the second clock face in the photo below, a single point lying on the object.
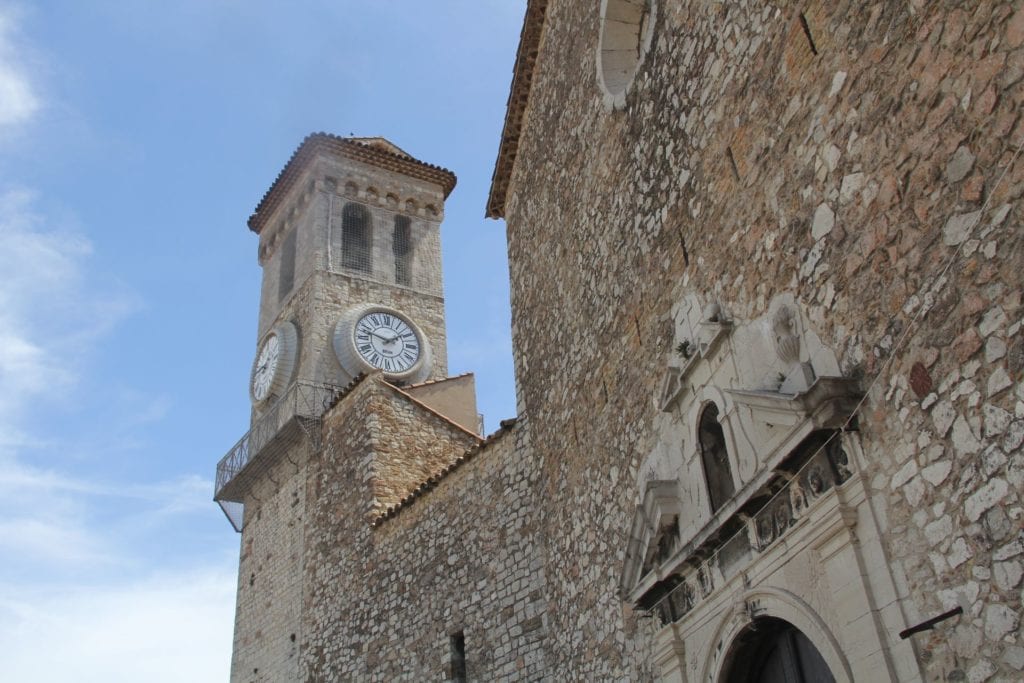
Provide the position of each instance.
(266, 367)
(387, 342)
(274, 364)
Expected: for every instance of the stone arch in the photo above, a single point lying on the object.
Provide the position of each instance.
(627, 27)
(712, 395)
(356, 238)
(714, 456)
(780, 604)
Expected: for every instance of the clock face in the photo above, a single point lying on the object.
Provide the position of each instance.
(387, 342)
(274, 365)
(265, 367)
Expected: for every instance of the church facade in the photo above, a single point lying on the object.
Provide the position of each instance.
(766, 289)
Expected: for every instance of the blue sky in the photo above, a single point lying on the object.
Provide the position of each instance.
(136, 137)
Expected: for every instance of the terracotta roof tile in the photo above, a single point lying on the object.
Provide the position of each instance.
(515, 111)
(375, 151)
(345, 391)
(428, 382)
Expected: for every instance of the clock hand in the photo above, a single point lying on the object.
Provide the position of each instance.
(385, 339)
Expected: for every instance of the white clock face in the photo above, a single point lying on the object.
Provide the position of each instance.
(265, 367)
(387, 342)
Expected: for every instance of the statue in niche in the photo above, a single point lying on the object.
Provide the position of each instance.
(838, 459)
(667, 541)
(715, 457)
(663, 546)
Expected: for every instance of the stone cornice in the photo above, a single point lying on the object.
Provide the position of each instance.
(359, 149)
(515, 112)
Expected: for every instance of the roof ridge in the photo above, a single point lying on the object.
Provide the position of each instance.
(518, 100)
(361, 151)
(428, 382)
(440, 415)
(506, 426)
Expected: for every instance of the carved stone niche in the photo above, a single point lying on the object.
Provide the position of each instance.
(654, 536)
(707, 336)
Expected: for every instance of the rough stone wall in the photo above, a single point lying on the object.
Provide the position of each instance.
(319, 302)
(844, 164)
(331, 294)
(314, 211)
(382, 602)
(410, 445)
(322, 290)
(269, 603)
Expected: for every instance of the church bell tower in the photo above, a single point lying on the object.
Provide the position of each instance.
(349, 244)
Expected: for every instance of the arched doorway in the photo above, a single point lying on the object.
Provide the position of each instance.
(774, 651)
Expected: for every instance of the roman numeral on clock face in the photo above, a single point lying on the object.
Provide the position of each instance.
(387, 342)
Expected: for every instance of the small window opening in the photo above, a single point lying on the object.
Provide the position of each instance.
(287, 279)
(458, 653)
(401, 244)
(715, 458)
(356, 238)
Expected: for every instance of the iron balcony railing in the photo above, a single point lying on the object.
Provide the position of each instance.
(304, 400)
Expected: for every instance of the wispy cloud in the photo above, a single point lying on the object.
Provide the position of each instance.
(71, 544)
(19, 100)
(49, 313)
(166, 628)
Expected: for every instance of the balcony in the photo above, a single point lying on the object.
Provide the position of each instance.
(294, 416)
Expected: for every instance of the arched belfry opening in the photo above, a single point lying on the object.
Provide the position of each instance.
(356, 238)
(774, 651)
(715, 457)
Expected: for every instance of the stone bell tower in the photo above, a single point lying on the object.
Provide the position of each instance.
(349, 244)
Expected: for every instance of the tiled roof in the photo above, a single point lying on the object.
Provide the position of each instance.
(375, 151)
(424, 406)
(429, 484)
(428, 382)
(518, 98)
(346, 390)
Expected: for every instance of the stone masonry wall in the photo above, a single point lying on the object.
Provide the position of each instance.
(411, 444)
(465, 556)
(314, 211)
(269, 603)
(845, 164)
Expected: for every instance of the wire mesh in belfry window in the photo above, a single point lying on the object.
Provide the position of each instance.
(401, 244)
(356, 238)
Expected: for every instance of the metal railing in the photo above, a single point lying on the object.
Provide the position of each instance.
(305, 400)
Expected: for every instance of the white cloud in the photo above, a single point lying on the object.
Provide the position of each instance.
(45, 517)
(49, 313)
(165, 628)
(18, 98)
(70, 608)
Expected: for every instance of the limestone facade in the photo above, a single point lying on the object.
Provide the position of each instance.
(767, 329)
